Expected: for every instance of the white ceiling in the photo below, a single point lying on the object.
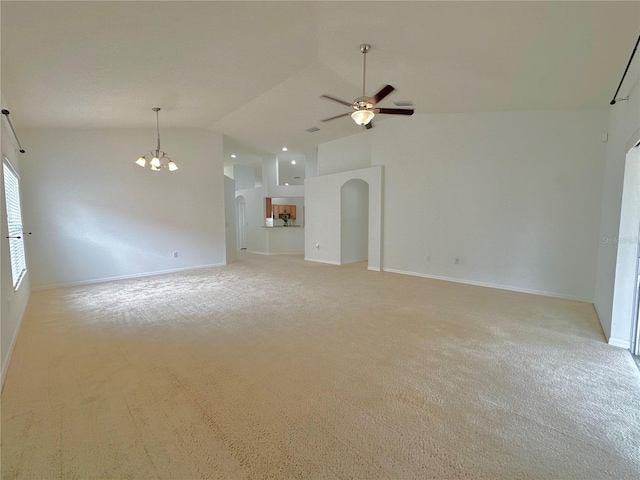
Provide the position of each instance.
(254, 71)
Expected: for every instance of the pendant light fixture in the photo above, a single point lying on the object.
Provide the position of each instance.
(158, 159)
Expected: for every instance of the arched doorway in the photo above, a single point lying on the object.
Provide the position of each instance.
(354, 221)
(241, 212)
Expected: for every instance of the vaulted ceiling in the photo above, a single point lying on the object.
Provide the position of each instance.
(254, 71)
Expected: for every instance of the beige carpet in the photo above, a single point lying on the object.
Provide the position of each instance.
(276, 368)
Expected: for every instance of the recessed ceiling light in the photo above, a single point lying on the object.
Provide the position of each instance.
(284, 149)
(287, 184)
(233, 155)
(293, 162)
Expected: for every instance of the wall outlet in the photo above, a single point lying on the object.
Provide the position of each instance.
(175, 254)
(456, 260)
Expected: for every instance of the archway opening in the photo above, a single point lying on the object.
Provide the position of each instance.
(241, 212)
(354, 221)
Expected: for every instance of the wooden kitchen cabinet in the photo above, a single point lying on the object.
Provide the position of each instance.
(282, 209)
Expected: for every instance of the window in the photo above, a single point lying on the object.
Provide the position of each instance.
(14, 224)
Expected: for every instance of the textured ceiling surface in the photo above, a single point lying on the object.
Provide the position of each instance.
(254, 71)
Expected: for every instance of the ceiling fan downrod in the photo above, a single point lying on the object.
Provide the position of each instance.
(364, 48)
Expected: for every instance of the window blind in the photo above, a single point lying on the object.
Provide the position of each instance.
(14, 224)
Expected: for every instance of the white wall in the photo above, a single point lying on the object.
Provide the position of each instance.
(281, 240)
(350, 153)
(624, 131)
(270, 180)
(354, 221)
(96, 215)
(514, 195)
(243, 175)
(12, 303)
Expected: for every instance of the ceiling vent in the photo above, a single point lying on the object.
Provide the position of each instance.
(405, 103)
(312, 129)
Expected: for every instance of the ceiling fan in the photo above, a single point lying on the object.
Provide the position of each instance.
(365, 107)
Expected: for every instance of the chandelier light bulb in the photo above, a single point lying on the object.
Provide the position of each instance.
(155, 162)
(362, 117)
(172, 166)
(141, 161)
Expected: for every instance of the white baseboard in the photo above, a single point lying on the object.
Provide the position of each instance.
(618, 342)
(490, 285)
(330, 262)
(276, 253)
(6, 361)
(374, 269)
(126, 277)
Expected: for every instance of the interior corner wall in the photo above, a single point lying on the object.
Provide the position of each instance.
(12, 303)
(623, 129)
(515, 196)
(96, 215)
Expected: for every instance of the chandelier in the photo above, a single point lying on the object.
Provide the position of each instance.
(157, 159)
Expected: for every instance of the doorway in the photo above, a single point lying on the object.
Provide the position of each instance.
(354, 221)
(626, 295)
(635, 337)
(241, 211)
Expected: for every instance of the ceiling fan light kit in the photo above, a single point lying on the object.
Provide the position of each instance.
(365, 107)
(362, 117)
(157, 159)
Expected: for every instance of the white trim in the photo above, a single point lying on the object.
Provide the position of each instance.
(126, 277)
(330, 262)
(6, 361)
(618, 342)
(489, 285)
(374, 269)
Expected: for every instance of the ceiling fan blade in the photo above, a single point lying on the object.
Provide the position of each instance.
(329, 97)
(369, 125)
(395, 111)
(337, 116)
(384, 91)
